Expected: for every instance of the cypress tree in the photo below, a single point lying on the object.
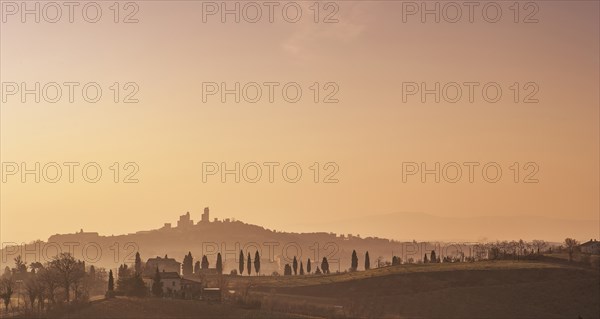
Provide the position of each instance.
(111, 282)
(287, 270)
(219, 264)
(295, 265)
(197, 267)
(157, 285)
(241, 266)
(188, 264)
(249, 266)
(138, 263)
(354, 265)
(325, 265)
(204, 262)
(257, 263)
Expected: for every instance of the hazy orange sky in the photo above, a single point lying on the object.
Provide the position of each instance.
(369, 133)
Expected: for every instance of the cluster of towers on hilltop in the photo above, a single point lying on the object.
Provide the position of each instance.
(185, 220)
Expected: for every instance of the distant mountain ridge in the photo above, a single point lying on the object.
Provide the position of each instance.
(227, 237)
(426, 227)
(420, 232)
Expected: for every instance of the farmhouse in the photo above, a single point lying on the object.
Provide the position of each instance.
(163, 264)
(171, 282)
(191, 288)
(591, 247)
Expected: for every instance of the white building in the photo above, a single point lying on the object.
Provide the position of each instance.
(590, 247)
(171, 282)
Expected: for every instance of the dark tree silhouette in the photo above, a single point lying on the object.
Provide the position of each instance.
(571, 244)
(368, 261)
(287, 270)
(132, 285)
(157, 285)
(138, 263)
(197, 268)
(301, 268)
(219, 264)
(123, 272)
(241, 266)
(20, 265)
(539, 245)
(295, 265)
(308, 266)
(354, 265)
(111, 281)
(425, 260)
(325, 265)
(433, 257)
(204, 262)
(257, 263)
(188, 264)
(69, 270)
(249, 265)
(6, 287)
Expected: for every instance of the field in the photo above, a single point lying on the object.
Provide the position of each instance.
(122, 307)
(502, 289)
(469, 290)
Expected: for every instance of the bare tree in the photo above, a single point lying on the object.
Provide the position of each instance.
(6, 290)
(520, 248)
(49, 279)
(69, 271)
(20, 265)
(539, 245)
(33, 288)
(571, 244)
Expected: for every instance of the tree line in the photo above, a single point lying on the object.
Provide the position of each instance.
(59, 281)
(65, 279)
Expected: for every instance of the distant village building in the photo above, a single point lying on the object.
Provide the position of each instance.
(205, 216)
(185, 221)
(163, 264)
(77, 236)
(590, 247)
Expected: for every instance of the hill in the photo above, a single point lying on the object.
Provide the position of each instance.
(277, 248)
(503, 289)
(422, 226)
(208, 238)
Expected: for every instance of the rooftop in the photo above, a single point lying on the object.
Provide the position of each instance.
(590, 242)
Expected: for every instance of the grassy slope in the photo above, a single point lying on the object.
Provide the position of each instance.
(286, 281)
(477, 290)
(165, 308)
(469, 290)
